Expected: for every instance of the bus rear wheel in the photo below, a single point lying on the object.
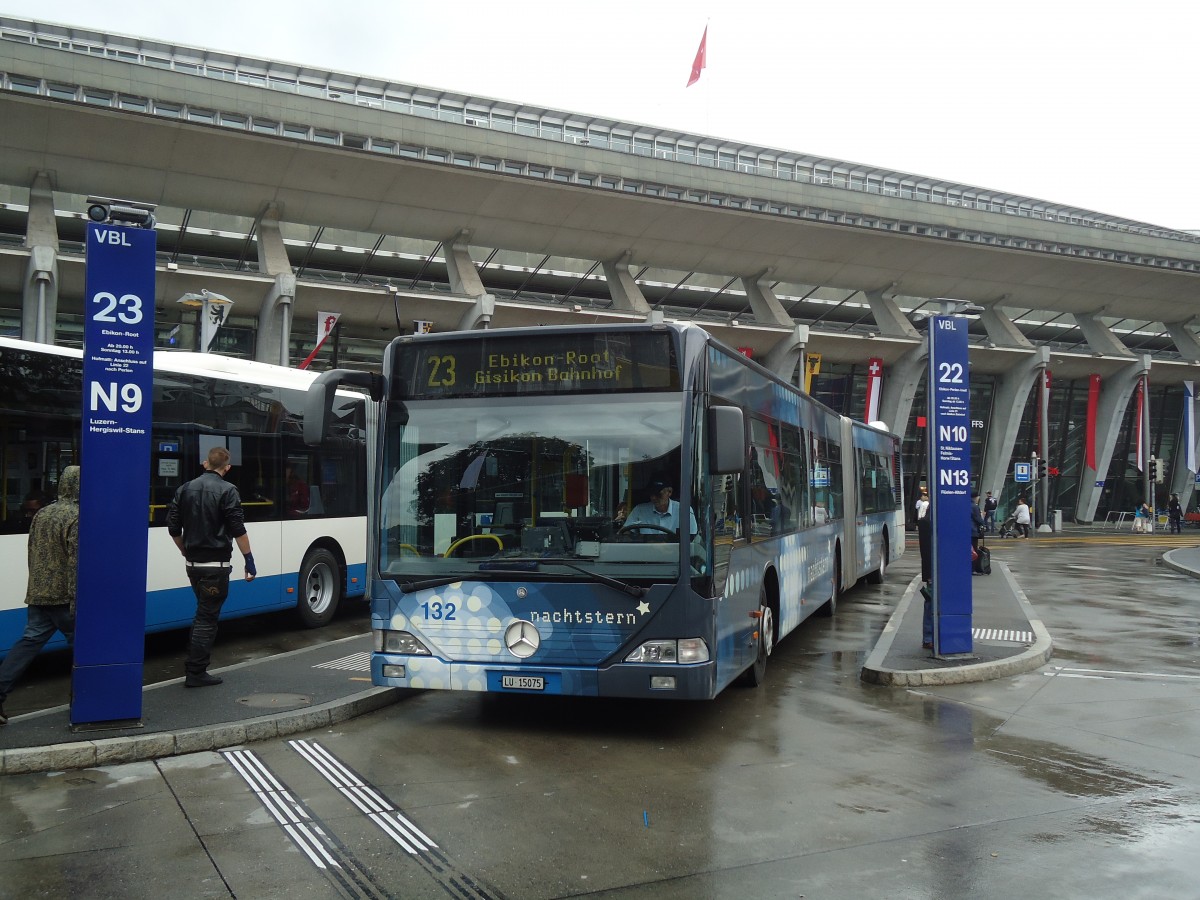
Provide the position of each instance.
(320, 588)
(878, 576)
(829, 607)
(756, 674)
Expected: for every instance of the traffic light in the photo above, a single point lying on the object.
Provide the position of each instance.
(1041, 468)
(1157, 468)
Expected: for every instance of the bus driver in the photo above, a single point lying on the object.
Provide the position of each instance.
(660, 510)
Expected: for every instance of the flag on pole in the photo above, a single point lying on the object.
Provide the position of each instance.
(1189, 425)
(700, 60)
(325, 323)
(874, 382)
(212, 317)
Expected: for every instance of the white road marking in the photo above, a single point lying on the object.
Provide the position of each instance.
(1066, 672)
(355, 662)
(365, 797)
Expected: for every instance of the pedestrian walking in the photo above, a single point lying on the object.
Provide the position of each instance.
(205, 518)
(53, 555)
(1175, 514)
(1024, 517)
(990, 505)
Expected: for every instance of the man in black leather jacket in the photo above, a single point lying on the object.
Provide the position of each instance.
(204, 518)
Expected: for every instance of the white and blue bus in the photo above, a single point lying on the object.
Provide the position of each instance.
(305, 508)
(498, 561)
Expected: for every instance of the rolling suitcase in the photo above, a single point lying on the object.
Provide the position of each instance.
(983, 564)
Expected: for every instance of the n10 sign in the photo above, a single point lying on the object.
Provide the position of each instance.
(949, 394)
(114, 497)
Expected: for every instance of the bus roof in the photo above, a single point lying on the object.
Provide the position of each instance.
(184, 362)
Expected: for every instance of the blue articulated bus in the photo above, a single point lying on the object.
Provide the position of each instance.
(627, 510)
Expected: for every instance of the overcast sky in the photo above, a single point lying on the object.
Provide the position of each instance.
(1084, 103)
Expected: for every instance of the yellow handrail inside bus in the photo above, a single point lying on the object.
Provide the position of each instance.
(472, 537)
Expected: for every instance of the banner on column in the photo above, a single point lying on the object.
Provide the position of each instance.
(950, 469)
(114, 497)
(1140, 394)
(1093, 406)
(874, 383)
(812, 368)
(1189, 425)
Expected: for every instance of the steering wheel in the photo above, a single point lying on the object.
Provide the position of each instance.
(638, 529)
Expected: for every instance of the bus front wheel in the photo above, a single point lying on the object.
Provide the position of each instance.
(319, 587)
(756, 674)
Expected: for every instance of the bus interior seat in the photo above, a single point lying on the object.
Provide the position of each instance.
(505, 516)
(545, 538)
(316, 506)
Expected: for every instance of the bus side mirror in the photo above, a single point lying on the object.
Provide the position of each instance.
(318, 405)
(726, 439)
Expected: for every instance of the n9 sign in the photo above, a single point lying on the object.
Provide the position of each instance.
(118, 380)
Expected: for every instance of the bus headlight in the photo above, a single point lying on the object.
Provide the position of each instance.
(398, 642)
(685, 650)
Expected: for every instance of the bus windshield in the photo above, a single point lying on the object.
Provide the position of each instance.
(481, 487)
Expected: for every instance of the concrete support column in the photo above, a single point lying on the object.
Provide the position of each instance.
(460, 268)
(783, 357)
(1001, 330)
(272, 254)
(763, 303)
(1100, 337)
(891, 321)
(1183, 481)
(275, 321)
(1185, 340)
(1008, 405)
(275, 314)
(39, 295)
(626, 295)
(1115, 392)
(900, 387)
(464, 279)
(479, 315)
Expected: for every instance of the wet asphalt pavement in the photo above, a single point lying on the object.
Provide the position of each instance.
(1079, 779)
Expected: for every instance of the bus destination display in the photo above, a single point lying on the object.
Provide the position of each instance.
(564, 364)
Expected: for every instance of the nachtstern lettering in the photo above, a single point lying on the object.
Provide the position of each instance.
(582, 617)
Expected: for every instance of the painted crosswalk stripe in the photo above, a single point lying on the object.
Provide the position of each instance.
(1002, 634)
(355, 662)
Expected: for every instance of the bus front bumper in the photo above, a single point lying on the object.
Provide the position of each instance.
(681, 682)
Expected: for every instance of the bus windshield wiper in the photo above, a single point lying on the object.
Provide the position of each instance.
(411, 587)
(633, 590)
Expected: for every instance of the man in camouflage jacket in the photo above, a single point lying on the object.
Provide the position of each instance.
(53, 555)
